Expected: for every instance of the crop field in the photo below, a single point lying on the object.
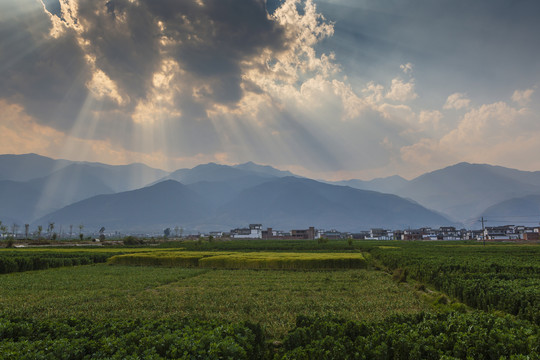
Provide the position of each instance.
(273, 300)
(493, 277)
(245, 260)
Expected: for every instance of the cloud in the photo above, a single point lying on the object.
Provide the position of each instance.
(184, 81)
(483, 135)
(401, 91)
(522, 97)
(433, 117)
(456, 101)
(406, 68)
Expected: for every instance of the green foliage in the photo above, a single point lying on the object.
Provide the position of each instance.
(424, 336)
(17, 261)
(272, 298)
(132, 240)
(129, 339)
(322, 240)
(494, 277)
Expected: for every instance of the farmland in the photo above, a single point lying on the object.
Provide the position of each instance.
(270, 300)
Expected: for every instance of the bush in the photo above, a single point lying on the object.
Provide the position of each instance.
(132, 240)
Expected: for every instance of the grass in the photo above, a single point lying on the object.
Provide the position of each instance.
(273, 298)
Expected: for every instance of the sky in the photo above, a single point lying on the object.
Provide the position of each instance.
(334, 89)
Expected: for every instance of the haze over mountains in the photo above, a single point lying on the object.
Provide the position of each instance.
(463, 191)
(135, 197)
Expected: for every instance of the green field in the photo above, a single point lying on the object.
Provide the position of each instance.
(272, 298)
(291, 300)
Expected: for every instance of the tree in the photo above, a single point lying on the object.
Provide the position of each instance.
(14, 230)
(81, 227)
(101, 233)
(40, 230)
(70, 231)
(50, 229)
(3, 229)
(166, 232)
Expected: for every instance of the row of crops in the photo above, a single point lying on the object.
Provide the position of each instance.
(496, 277)
(244, 260)
(17, 261)
(423, 336)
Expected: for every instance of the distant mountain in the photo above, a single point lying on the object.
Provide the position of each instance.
(165, 204)
(284, 203)
(70, 184)
(215, 172)
(464, 190)
(388, 185)
(517, 211)
(292, 202)
(28, 166)
(116, 177)
(45, 185)
(223, 196)
(18, 202)
(263, 169)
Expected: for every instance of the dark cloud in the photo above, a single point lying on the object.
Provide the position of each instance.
(47, 75)
(129, 41)
(124, 38)
(210, 41)
(214, 40)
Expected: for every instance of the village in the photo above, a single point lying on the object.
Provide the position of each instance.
(492, 233)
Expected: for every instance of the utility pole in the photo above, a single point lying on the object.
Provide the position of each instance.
(483, 232)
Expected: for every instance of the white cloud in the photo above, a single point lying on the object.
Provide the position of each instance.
(484, 134)
(401, 91)
(430, 117)
(456, 101)
(522, 97)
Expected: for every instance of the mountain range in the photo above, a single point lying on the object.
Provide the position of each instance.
(463, 191)
(136, 198)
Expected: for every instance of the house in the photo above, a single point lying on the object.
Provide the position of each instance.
(506, 232)
(413, 234)
(449, 233)
(360, 235)
(307, 234)
(270, 233)
(332, 234)
(253, 232)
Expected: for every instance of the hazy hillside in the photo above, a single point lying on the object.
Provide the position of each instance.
(45, 185)
(293, 202)
(70, 184)
(28, 166)
(284, 203)
(388, 185)
(523, 211)
(464, 190)
(216, 172)
(18, 202)
(213, 196)
(167, 203)
(263, 169)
